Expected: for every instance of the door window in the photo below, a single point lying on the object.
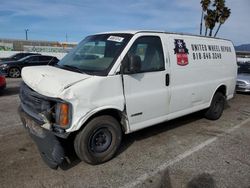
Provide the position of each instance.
(33, 59)
(45, 59)
(149, 49)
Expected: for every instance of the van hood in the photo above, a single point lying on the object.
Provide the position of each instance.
(51, 81)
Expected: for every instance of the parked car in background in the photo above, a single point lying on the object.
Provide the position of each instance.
(243, 78)
(2, 81)
(13, 68)
(17, 56)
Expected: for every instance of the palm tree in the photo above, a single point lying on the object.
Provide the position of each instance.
(210, 21)
(217, 13)
(206, 24)
(204, 4)
(219, 5)
(223, 17)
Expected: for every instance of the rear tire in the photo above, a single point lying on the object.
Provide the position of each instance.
(99, 140)
(216, 108)
(14, 72)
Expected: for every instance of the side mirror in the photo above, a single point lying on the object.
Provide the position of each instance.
(131, 64)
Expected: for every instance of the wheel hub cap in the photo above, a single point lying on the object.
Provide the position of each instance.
(101, 140)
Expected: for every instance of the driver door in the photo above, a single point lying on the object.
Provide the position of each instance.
(146, 92)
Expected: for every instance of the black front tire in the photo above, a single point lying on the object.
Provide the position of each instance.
(216, 108)
(99, 140)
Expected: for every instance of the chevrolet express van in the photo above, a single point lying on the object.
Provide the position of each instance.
(119, 82)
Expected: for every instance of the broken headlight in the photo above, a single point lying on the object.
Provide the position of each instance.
(63, 115)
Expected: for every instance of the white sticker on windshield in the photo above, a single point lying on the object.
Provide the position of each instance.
(115, 38)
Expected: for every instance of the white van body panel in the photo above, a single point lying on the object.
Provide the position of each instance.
(93, 96)
(194, 84)
(144, 92)
(145, 99)
(191, 88)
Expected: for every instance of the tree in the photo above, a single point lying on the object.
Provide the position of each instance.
(204, 5)
(224, 16)
(215, 13)
(210, 21)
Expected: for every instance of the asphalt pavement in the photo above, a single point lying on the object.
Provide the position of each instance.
(187, 152)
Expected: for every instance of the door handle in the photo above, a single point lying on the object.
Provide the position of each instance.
(167, 80)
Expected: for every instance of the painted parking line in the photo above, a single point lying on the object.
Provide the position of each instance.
(182, 156)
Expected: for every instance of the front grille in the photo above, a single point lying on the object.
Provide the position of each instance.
(33, 100)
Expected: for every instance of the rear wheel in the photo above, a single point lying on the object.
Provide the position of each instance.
(216, 108)
(99, 140)
(14, 73)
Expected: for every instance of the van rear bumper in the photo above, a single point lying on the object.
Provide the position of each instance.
(49, 145)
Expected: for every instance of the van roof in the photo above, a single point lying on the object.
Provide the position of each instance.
(155, 31)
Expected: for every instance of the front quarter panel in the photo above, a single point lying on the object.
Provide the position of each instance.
(91, 96)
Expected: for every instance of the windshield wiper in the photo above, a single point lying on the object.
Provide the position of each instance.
(72, 68)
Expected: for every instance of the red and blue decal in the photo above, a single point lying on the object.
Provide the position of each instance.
(181, 52)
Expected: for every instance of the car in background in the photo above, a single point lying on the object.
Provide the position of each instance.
(18, 56)
(243, 78)
(13, 68)
(2, 81)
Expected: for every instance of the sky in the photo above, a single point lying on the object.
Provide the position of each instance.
(54, 19)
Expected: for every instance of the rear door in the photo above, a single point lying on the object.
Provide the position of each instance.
(147, 92)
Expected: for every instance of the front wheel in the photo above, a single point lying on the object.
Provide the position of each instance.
(99, 140)
(216, 108)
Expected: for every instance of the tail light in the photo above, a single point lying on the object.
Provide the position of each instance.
(2, 80)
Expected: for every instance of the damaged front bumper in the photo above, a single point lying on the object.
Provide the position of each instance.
(49, 145)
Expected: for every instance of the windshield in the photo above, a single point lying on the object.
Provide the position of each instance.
(244, 68)
(95, 54)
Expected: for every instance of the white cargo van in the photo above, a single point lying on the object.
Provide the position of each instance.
(120, 82)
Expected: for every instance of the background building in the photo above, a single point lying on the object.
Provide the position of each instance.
(35, 45)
